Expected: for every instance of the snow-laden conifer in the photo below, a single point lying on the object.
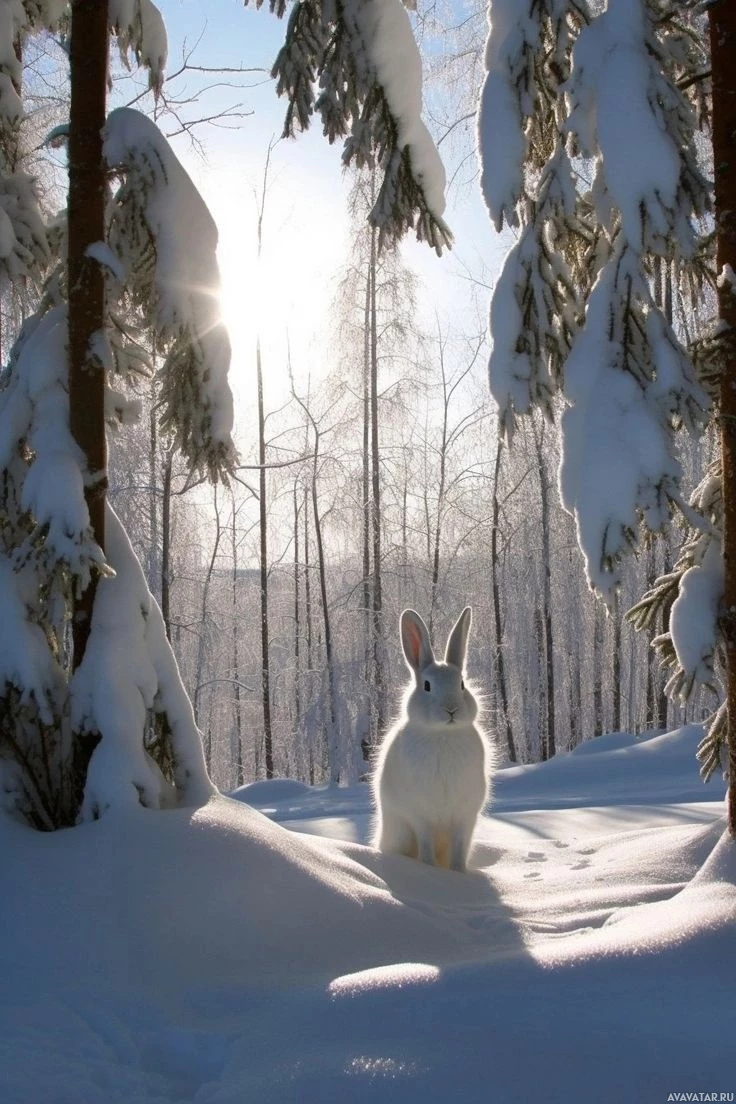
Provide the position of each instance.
(588, 147)
(165, 240)
(593, 136)
(356, 66)
(79, 733)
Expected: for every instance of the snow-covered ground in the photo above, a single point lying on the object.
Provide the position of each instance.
(223, 956)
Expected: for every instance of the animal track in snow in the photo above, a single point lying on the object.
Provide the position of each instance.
(536, 856)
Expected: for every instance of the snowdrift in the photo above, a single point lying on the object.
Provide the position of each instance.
(212, 955)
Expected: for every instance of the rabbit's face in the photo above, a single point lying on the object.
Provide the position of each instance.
(440, 697)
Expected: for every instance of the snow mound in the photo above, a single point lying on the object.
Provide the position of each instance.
(270, 791)
(616, 769)
(213, 956)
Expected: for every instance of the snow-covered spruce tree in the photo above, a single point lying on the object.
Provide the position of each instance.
(93, 711)
(594, 130)
(356, 66)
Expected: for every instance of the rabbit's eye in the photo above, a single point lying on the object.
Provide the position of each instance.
(426, 685)
(462, 684)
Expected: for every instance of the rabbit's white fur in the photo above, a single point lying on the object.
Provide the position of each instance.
(433, 768)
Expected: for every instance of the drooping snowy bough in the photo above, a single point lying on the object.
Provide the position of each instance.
(356, 65)
(125, 705)
(591, 134)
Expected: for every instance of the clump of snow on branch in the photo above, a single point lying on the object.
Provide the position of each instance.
(512, 35)
(34, 418)
(357, 66)
(694, 617)
(128, 671)
(166, 240)
(632, 123)
(26, 662)
(24, 250)
(624, 384)
(140, 29)
(390, 46)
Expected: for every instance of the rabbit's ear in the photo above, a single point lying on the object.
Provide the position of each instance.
(415, 641)
(457, 641)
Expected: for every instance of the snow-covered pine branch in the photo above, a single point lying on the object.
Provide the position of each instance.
(356, 66)
(40, 457)
(128, 676)
(569, 97)
(529, 183)
(140, 30)
(165, 239)
(605, 108)
(24, 252)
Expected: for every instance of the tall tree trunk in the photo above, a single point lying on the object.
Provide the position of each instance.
(263, 571)
(616, 672)
(332, 743)
(239, 759)
(154, 552)
(297, 617)
(367, 736)
(499, 668)
(89, 36)
(722, 15)
(86, 225)
(598, 638)
(437, 536)
(575, 696)
(309, 631)
(263, 506)
(166, 542)
(202, 643)
(376, 520)
(550, 743)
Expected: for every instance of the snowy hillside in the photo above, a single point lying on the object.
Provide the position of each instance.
(218, 957)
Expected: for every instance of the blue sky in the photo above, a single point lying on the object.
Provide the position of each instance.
(306, 224)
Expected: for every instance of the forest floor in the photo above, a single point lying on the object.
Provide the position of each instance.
(225, 955)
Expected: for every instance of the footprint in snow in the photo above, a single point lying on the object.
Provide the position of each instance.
(536, 856)
(533, 874)
(581, 865)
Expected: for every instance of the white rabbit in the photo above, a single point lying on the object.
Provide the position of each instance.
(433, 767)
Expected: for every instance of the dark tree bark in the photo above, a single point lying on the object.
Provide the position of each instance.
(263, 565)
(308, 622)
(166, 543)
(379, 683)
(616, 664)
(263, 512)
(549, 746)
(297, 616)
(598, 640)
(154, 571)
(239, 763)
(367, 737)
(86, 221)
(499, 667)
(723, 60)
(329, 655)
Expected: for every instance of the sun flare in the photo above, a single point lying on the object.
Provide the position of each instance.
(281, 298)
